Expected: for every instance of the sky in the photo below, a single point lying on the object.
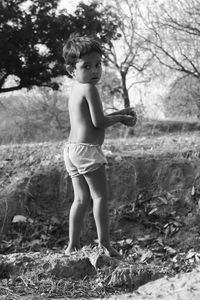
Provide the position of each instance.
(70, 5)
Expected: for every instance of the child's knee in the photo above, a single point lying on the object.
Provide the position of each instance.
(97, 199)
(84, 201)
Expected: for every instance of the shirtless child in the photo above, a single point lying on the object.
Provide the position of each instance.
(84, 159)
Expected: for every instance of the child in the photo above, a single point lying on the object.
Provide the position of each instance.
(84, 159)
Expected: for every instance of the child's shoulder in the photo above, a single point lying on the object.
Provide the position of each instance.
(86, 89)
(83, 91)
(89, 87)
(83, 86)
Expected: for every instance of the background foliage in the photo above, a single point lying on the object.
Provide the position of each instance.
(145, 42)
(32, 37)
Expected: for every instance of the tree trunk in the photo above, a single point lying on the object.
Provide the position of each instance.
(125, 90)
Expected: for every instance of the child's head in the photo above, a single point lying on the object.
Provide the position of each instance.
(78, 47)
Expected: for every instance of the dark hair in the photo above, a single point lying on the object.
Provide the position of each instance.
(77, 46)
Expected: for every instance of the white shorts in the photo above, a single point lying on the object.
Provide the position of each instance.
(82, 158)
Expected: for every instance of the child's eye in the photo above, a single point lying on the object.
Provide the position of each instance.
(99, 65)
(87, 67)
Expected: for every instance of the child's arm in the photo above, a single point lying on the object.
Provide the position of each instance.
(126, 111)
(100, 120)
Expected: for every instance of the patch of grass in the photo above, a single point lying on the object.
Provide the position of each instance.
(180, 145)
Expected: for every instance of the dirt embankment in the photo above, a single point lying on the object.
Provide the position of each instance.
(154, 220)
(34, 182)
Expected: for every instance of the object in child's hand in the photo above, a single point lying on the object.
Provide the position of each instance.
(128, 120)
(132, 122)
(132, 113)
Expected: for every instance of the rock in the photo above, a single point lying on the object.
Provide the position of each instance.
(98, 258)
(132, 276)
(77, 266)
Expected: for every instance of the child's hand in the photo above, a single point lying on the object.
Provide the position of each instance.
(127, 111)
(132, 113)
(130, 116)
(129, 120)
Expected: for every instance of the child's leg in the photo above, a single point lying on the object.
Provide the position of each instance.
(77, 212)
(98, 189)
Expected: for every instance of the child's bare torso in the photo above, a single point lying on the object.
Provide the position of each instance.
(82, 128)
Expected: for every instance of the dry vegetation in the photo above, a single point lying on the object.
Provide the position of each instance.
(163, 242)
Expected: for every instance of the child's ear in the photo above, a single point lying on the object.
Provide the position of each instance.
(70, 70)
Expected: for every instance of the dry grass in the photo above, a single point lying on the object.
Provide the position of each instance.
(173, 145)
(16, 156)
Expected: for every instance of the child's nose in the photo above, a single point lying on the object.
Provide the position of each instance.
(94, 70)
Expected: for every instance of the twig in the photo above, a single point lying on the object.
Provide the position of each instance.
(9, 291)
(5, 216)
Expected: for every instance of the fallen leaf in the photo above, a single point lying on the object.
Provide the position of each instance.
(19, 218)
(193, 191)
(146, 256)
(190, 254)
(152, 211)
(170, 250)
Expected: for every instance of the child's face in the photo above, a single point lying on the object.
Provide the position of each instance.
(88, 68)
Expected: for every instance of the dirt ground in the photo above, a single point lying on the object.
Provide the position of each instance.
(184, 286)
(154, 221)
(181, 287)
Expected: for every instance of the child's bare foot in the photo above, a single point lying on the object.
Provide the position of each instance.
(110, 251)
(71, 249)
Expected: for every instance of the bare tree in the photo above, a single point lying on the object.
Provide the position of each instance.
(175, 34)
(174, 28)
(130, 54)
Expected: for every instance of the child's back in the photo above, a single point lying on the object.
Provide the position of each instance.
(82, 127)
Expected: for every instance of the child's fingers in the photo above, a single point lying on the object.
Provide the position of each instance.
(131, 123)
(127, 111)
(132, 112)
(129, 120)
